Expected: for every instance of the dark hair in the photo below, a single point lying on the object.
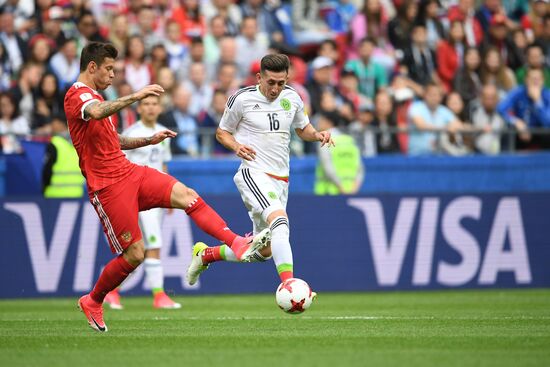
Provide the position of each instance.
(14, 103)
(96, 52)
(330, 42)
(275, 63)
(368, 39)
(532, 46)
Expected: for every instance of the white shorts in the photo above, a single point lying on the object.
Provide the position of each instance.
(149, 222)
(261, 194)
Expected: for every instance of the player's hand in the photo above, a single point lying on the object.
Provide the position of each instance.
(161, 135)
(150, 90)
(245, 152)
(324, 138)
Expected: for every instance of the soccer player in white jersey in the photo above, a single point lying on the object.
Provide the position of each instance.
(154, 156)
(256, 125)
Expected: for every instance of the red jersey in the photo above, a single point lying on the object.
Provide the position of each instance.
(96, 141)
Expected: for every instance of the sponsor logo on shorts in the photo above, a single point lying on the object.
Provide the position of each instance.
(152, 239)
(126, 236)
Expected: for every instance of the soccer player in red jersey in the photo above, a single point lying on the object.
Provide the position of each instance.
(119, 189)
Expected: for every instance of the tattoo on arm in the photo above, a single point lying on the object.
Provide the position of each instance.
(100, 110)
(127, 143)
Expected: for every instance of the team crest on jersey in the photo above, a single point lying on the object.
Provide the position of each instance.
(285, 104)
(126, 236)
(272, 195)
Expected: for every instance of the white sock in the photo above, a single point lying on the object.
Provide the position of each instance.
(154, 276)
(280, 242)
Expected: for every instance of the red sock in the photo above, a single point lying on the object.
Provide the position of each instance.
(285, 275)
(111, 277)
(211, 254)
(209, 221)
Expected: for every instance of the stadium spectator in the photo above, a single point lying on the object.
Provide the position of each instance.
(228, 55)
(201, 90)
(167, 80)
(176, 50)
(372, 75)
(307, 25)
(486, 119)
(400, 27)
(320, 81)
(158, 59)
(362, 131)
(179, 119)
(494, 71)
(533, 22)
(137, 70)
(349, 89)
(119, 32)
(528, 106)
(6, 72)
(487, 11)
(339, 169)
(52, 25)
(148, 27)
(517, 57)
(61, 176)
(25, 89)
(41, 48)
(385, 121)
(210, 119)
(534, 60)
(329, 48)
(497, 37)
(12, 124)
(426, 116)
(429, 12)
(65, 64)
(450, 55)
(88, 30)
(227, 78)
(251, 45)
(187, 14)
(226, 10)
(15, 46)
(467, 81)
(370, 21)
(216, 32)
(264, 12)
(419, 61)
(464, 12)
(49, 101)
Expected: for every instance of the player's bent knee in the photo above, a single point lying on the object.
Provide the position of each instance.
(182, 196)
(135, 253)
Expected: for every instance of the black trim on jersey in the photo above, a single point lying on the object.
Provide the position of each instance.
(232, 99)
(289, 87)
(279, 222)
(264, 203)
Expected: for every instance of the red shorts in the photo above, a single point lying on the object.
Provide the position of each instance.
(118, 204)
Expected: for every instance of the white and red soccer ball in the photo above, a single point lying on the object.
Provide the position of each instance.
(293, 295)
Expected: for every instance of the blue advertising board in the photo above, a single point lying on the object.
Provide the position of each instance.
(382, 242)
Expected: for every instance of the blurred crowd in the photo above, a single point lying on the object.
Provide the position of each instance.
(401, 76)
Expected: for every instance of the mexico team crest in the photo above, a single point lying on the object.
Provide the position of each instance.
(285, 104)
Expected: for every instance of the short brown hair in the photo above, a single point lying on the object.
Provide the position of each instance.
(275, 63)
(96, 52)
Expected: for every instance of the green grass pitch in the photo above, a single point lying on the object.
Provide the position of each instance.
(444, 328)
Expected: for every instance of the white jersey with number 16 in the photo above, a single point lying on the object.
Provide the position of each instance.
(265, 126)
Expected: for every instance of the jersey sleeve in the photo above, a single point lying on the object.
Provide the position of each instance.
(232, 115)
(301, 118)
(167, 153)
(81, 98)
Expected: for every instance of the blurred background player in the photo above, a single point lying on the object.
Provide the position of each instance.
(154, 156)
(257, 125)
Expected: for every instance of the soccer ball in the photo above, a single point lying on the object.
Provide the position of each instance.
(293, 295)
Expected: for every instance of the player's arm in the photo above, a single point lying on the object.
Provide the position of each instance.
(228, 140)
(309, 133)
(127, 142)
(100, 110)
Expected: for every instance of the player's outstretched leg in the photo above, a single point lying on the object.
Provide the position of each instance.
(203, 256)
(210, 222)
